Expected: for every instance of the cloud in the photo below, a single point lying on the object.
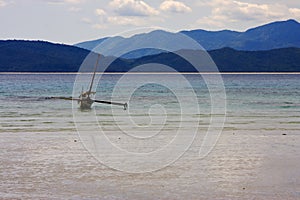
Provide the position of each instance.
(100, 12)
(74, 9)
(124, 21)
(99, 26)
(295, 12)
(235, 10)
(225, 12)
(3, 3)
(119, 21)
(132, 8)
(174, 6)
(59, 2)
(86, 20)
(104, 18)
(74, 5)
(74, 1)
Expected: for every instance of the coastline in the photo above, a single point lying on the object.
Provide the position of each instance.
(152, 73)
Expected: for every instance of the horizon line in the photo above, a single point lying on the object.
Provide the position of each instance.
(148, 73)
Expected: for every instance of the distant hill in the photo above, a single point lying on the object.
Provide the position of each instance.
(275, 60)
(226, 59)
(40, 56)
(274, 35)
(92, 44)
(114, 46)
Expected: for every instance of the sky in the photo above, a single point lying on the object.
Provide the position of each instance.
(73, 21)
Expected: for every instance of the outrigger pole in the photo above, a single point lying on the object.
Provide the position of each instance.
(84, 99)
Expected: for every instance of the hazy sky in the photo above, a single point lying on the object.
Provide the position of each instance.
(72, 21)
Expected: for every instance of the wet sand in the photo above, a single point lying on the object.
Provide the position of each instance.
(245, 164)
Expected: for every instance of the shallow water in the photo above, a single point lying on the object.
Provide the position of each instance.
(271, 101)
(256, 156)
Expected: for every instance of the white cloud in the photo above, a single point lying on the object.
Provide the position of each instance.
(102, 17)
(124, 21)
(74, 5)
(59, 2)
(74, 1)
(174, 6)
(2, 3)
(119, 21)
(74, 9)
(99, 26)
(225, 12)
(86, 20)
(132, 8)
(236, 10)
(105, 18)
(100, 12)
(295, 12)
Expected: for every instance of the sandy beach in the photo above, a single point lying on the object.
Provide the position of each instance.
(243, 165)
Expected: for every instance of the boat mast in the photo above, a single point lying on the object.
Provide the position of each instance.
(92, 82)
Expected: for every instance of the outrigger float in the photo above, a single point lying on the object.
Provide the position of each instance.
(85, 100)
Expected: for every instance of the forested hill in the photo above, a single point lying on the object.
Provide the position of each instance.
(40, 56)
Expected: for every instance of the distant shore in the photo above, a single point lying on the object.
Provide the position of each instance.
(242, 73)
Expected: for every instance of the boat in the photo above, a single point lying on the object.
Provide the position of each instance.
(86, 99)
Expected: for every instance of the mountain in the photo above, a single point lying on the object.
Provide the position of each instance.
(226, 59)
(274, 35)
(131, 47)
(270, 36)
(275, 60)
(40, 56)
(92, 44)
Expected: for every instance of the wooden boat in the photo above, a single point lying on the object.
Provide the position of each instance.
(86, 99)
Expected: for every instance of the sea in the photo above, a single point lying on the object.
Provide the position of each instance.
(208, 136)
(26, 104)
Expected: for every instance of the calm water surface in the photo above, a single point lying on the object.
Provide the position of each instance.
(253, 101)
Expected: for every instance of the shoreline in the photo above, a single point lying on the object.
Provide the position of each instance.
(151, 73)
